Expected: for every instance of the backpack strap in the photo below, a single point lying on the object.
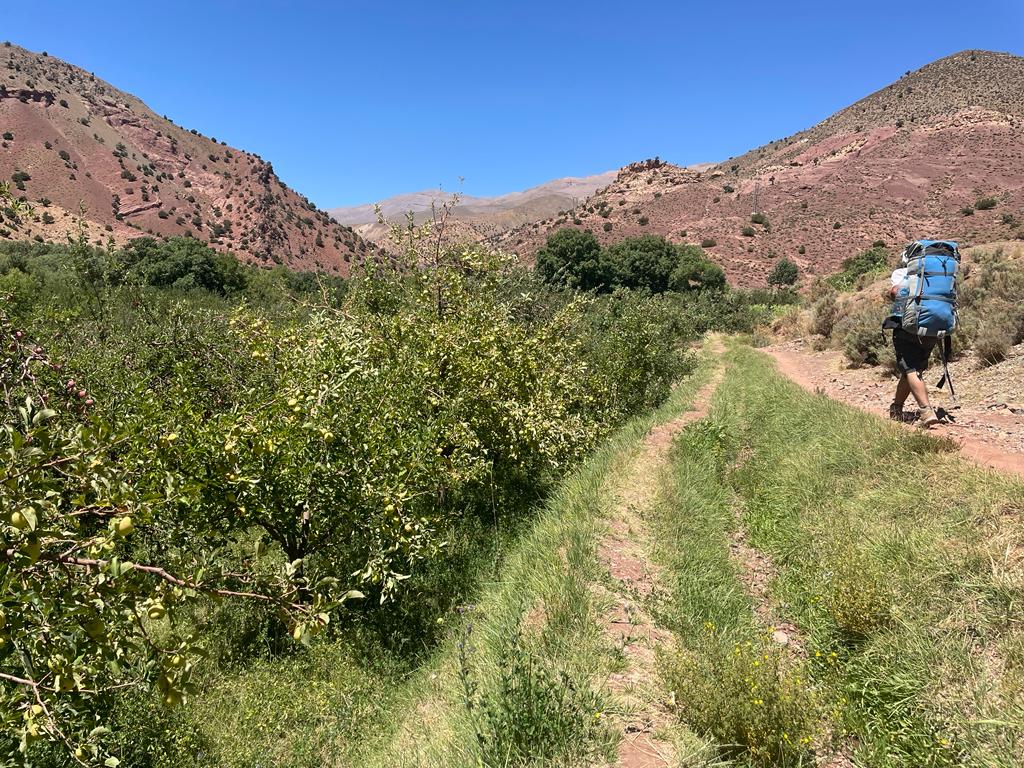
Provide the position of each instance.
(946, 348)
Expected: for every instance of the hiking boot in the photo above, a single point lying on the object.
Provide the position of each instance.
(927, 419)
(896, 411)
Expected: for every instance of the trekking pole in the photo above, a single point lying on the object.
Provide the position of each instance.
(947, 348)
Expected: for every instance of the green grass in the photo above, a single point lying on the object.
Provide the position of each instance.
(528, 646)
(900, 562)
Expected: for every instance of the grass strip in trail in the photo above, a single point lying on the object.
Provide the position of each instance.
(900, 563)
(648, 733)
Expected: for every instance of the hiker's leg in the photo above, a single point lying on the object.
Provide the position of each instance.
(902, 391)
(918, 389)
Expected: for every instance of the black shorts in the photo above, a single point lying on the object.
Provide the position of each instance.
(912, 352)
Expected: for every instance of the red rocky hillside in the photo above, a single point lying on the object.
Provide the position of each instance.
(938, 153)
(72, 142)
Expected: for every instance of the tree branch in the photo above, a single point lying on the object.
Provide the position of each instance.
(159, 572)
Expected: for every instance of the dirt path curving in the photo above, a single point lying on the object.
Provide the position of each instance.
(635, 577)
(991, 434)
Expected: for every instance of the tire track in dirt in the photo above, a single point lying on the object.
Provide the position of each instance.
(800, 367)
(623, 551)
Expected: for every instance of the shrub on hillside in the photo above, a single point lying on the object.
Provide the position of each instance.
(708, 242)
(993, 339)
(748, 231)
(785, 272)
(873, 260)
(180, 262)
(824, 312)
(985, 203)
(642, 262)
(695, 272)
(861, 338)
(759, 218)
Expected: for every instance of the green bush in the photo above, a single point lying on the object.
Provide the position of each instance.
(531, 714)
(645, 262)
(708, 242)
(785, 272)
(748, 232)
(874, 260)
(695, 271)
(180, 262)
(759, 218)
(573, 257)
(967, 211)
(985, 203)
(760, 706)
(857, 595)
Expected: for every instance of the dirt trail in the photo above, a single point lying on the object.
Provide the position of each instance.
(635, 577)
(990, 434)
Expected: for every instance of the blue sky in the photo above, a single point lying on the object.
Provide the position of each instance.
(357, 101)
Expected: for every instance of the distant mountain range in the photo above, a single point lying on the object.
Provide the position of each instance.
(478, 216)
(71, 143)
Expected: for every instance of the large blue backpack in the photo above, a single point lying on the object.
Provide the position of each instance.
(927, 305)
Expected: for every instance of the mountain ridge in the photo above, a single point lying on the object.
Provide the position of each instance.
(89, 155)
(910, 159)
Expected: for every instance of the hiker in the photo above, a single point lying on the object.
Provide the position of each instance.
(924, 313)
